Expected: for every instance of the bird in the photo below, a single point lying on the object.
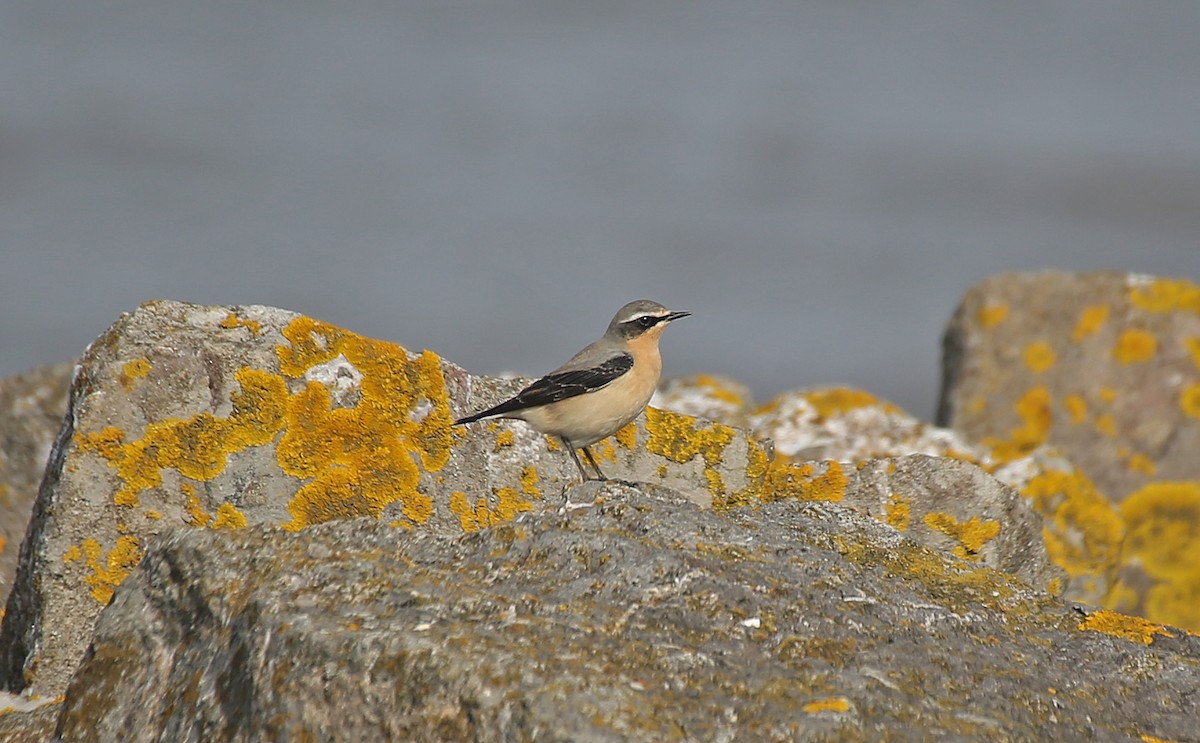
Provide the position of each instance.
(600, 389)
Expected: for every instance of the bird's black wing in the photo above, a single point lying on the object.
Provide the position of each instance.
(559, 386)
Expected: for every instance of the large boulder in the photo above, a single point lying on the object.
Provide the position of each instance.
(1105, 368)
(627, 614)
(217, 418)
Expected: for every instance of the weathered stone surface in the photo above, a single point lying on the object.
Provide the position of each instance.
(1082, 531)
(32, 406)
(1104, 367)
(707, 396)
(221, 417)
(639, 617)
(25, 721)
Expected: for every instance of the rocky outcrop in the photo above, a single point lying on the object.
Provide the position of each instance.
(221, 417)
(629, 614)
(32, 406)
(1105, 368)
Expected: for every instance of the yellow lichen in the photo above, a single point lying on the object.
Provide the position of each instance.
(1076, 408)
(681, 438)
(108, 570)
(529, 481)
(1107, 394)
(1134, 629)
(133, 371)
(898, 511)
(803, 482)
(1106, 425)
(1135, 346)
(713, 387)
(971, 534)
(1163, 542)
(361, 459)
(481, 515)
(1090, 321)
(627, 436)
(1193, 349)
(1189, 400)
(229, 517)
(198, 446)
(1166, 295)
(73, 554)
(838, 400)
(992, 315)
(1081, 529)
(504, 438)
(1039, 356)
(1036, 417)
(232, 321)
(196, 515)
(1141, 464)
(830, 704)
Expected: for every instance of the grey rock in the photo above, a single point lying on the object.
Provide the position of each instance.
(222, 417)
(639, 616)
(32, 406)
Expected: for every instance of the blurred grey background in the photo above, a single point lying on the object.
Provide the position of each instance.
(819, 182)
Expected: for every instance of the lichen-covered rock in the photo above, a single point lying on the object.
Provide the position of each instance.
(1104, 367)
(706, 396)
(640, 617)
(1081, 529)
(221, 417)
(24, 720)
(32, 406)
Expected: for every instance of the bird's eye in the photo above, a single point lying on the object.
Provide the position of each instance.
(646, 321)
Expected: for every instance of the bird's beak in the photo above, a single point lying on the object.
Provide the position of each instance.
(676, 316)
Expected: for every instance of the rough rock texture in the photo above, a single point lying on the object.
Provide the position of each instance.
(640, 616)
(1081, 529)
(707, 396)
(27, 723)
(32, 406)
(1105, 368)
(220, 417)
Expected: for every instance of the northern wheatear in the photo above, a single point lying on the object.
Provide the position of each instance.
(602, 388)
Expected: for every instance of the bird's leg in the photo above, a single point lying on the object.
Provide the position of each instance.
(588, 453)
(582, 473)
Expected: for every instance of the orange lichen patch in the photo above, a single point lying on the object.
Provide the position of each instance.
(1135, 346)
(1152, 739)
(809, 481)
(1107, 394)
(971, 534)
(1039, 356)
(1189, 400)
(107, 570)
(1081, 529)
(992, 315)
(481, 515)
(831, 704)
(1134, 629)
(1076, 408)
(898, 511)
(1106, 425)
(1166, 295)
(196, 515)
(713, 388)
(1163, 541)
(229, 517)
(364, 458)
(1141, 464)
(1193, 349)
(1034, 411)
(232, 321)
(133, 371)
(1090, 321)
(838, 400)
(529, 481)
(198, 446)
(681, 438)
(627, 436)
(504, 438)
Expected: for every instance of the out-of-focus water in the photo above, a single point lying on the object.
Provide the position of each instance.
(817, 182)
